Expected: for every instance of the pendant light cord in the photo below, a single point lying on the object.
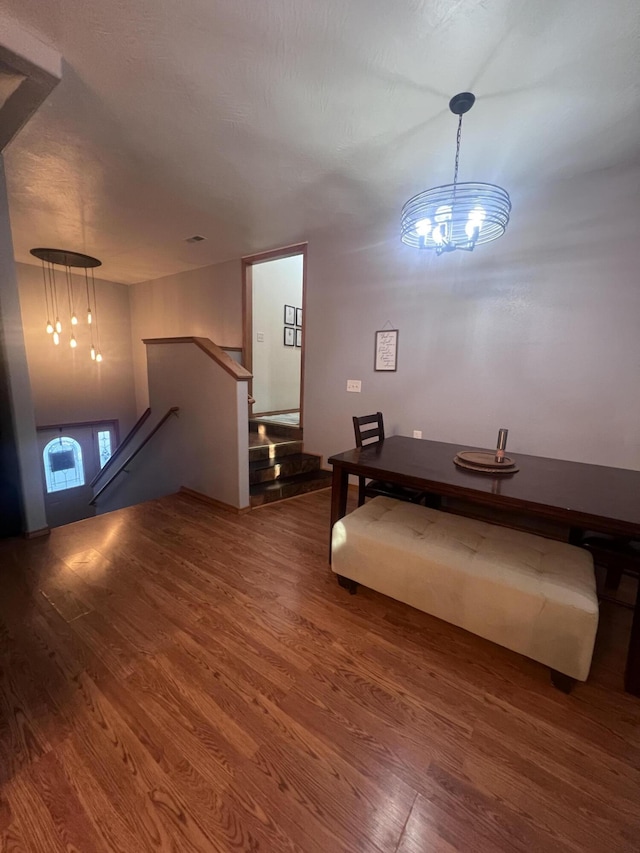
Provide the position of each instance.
(53, 288)
(458, 138)
(95, 308)
(46, 295)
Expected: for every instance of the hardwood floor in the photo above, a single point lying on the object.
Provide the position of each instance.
(175, 677)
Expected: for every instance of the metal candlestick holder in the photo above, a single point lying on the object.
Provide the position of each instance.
(502, 444)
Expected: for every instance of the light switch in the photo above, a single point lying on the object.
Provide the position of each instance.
(354, 385)
(260, 337)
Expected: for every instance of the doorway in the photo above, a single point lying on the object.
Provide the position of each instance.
(274, 340)
(71, 457)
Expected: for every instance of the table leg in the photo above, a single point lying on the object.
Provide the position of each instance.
(339, 491)
(576, 535)
(632, 673)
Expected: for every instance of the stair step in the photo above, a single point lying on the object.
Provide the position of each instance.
(277, 490)
(275, 429)
(280, 468)
(274, 450)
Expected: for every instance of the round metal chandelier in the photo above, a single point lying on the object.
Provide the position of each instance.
(457, 215)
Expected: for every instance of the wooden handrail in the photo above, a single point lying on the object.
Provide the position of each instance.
(129, 459)
(215, 352)
(109, 463)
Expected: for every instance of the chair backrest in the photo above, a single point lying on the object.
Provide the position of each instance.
(372, 433)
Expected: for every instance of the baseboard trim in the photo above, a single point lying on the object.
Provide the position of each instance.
(36, 534)
(205, 499)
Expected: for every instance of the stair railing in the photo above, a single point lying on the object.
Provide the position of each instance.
(172, 411)
(118, 451)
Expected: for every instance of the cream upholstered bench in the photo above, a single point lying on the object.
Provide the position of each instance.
(533, 595)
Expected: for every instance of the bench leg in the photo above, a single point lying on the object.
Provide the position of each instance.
(561, 681)
(614, 576)
(347, 583)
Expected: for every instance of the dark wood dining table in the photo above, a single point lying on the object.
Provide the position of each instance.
(576, 495)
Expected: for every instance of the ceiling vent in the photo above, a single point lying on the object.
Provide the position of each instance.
(197, 238)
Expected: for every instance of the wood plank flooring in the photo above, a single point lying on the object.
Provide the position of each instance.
(178, 678)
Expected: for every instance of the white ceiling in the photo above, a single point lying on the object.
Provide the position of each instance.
(258, 123)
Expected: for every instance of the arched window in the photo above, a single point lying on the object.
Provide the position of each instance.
(63, 468)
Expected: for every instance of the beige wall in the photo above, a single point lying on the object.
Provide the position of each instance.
(67, 386)
(206, 302)
(205, 447)
(276, 367)
(537, 332)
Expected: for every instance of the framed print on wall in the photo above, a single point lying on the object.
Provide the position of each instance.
(386, 355)
(298, 337)
(299, 317)
(289, 336)
(289, 315)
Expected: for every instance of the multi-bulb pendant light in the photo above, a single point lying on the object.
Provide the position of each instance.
(457, 215)
(52, 258)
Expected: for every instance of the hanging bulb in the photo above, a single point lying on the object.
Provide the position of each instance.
(99, 356)
(74, 320)
(474, 222)
(49, 327)
(56, 338)
(423, 227)
(93, 353)
(73, 343)
(89, 316)
(58, 326)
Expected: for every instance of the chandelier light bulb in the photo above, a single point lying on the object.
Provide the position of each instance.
(423, 227)
(58, 326)
(89, 316)
(49, 327)
(443, 213)
(98, 356)
(74, 320)
(474, 222)
(73, 343)
(56, 338)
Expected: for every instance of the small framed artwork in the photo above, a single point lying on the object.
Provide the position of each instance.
(289, 336)
(289, 315)
(299, 317)
(298, 337)
(386, 354)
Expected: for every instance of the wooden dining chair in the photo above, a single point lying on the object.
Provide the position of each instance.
(617, 555)
(369, 429)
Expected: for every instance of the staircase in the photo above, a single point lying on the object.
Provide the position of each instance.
(278, 468)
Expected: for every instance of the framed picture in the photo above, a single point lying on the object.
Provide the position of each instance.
(289, 336)
(298, 337)
(386, 354)
(289, 315)
(299, 317)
